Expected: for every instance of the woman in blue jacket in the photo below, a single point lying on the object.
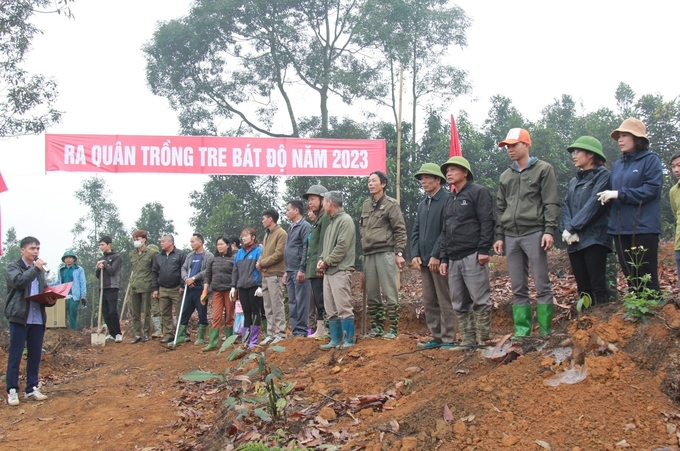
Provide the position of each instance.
(635, 196)
(69, 271)
(585, 220)
(246, 278)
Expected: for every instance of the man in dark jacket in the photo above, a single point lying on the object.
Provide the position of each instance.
(110, 266)
(295, 256)
(166, 283)
(466, 241)
(425, 245)
(27, 318)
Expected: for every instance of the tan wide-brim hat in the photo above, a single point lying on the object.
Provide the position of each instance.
(633, 126)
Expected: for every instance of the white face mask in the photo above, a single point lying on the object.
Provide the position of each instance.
(139, 243)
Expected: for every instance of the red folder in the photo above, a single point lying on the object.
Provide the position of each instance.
(55, 292)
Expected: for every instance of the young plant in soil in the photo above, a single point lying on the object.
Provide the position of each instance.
(639, 301)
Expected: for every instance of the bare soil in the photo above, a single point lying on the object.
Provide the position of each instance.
(377, 395)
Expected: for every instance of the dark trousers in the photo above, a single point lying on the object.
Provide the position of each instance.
(32, 336)
(252, 306)
(317, 291)
(648, 259)
(192, 302)
(298, 303)
(110, 311)
(589, 267)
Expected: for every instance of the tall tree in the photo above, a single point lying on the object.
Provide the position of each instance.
(26, 101)
(242, 60)
(153, 221)
(417, 35)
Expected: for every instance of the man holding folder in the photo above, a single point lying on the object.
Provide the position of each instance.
(27, 318)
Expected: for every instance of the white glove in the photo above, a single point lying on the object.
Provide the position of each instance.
(232, 294)
(606, 196)
(574, 239)
(566, 236)
(258, 292)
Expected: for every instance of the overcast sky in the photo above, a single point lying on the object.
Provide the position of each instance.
(529, 51)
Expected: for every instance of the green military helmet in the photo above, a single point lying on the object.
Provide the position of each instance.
(590, 144)
(430, 169)
(459, 161)
(69, 253)
(316, 190)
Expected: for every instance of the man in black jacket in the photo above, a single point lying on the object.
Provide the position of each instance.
(425, 247)
(109, 269)
(466, 241)
(27, 318)
(166, 283)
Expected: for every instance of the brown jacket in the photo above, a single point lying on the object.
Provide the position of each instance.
(271, 259)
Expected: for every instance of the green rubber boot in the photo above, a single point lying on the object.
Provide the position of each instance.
(214, 335)
(201, 335)
(228, 331)
(336, 334)
(522, 317)
(264, 327)
(181, 333)
(544, 316)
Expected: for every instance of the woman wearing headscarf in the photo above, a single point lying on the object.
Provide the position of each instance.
(635, 196)
(585, 220)
(218, 278)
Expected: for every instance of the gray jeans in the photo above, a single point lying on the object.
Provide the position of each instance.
(469, 285)
(438, 308)
(522, 252)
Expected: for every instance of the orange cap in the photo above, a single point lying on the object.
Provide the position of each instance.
(516, 135)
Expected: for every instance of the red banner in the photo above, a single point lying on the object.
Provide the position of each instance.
(214, 155)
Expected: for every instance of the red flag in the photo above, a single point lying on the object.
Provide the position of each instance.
(454, 148)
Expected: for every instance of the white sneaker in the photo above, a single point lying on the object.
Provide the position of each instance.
(109, 338)
(119, 338)
(13, 397)
(268, 340)
(276, 340)
(35, 394)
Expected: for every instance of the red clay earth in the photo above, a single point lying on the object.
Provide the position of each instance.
(375, 396)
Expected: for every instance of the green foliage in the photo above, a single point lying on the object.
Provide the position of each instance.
(584, 302)
(153, 221)
(640, 301)
(10, 252)
(26, 101)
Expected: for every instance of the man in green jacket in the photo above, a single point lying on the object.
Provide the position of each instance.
(314, 198)
(383, 239)
(141, 260)
(337, 262)
(528, 209)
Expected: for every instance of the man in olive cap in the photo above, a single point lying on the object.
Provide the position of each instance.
(314, 198)
(426, 240)
(69, 271)
(466, 242)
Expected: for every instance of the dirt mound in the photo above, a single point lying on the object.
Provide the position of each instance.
(377, 395)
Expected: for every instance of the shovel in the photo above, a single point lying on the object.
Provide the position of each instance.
(173, 346)
(99, 339)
